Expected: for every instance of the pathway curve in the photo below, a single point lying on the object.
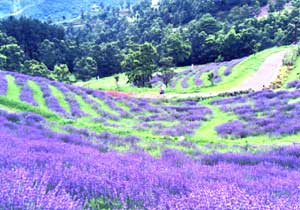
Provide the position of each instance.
(265, 75)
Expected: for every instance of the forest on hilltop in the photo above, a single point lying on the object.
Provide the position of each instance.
(175, 33)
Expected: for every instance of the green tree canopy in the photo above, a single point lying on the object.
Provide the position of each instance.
(35, 68)
(15, 56)
(85, 68)
(141, 64)
(175, 46)
(61, 73)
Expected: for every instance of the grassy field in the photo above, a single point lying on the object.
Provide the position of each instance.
(239, 73)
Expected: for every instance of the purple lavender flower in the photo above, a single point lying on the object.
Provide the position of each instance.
(3, 84)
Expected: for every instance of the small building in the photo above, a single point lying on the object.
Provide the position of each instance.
(95, 8)
(155, 4)
(124, 12)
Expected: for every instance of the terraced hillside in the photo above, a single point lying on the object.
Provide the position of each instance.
(68, 147)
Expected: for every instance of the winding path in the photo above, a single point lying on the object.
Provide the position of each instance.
(264, 76)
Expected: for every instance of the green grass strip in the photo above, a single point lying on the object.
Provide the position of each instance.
(24, 107)
(85, 106)
(60, 97)
(13, 90)
(37, 94)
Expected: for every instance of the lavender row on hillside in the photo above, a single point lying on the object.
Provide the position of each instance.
(51, 101)
(69, 96)
(197, 71)
(262, 113)
(26, 94)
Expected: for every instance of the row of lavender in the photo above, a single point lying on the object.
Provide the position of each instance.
(196, 73)
(42, 170)
(178, 119)
(261, 113)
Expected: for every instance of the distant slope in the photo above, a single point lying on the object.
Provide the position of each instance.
(55, 9)
(228, 76)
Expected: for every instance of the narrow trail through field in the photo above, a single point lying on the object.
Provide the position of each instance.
(264, 76)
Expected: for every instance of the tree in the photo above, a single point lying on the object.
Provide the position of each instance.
(61, 72)
(279, 4)
(175, 46)
(108, 57)
(231, 45)
(50, 53)
(31, 32)
(117, 78)
(140, 65)
(208, 24)
(166, 71)
(85, 68)
(211, 78)
(35, 68)
(4, 39)
(3, 60)
(15, 56)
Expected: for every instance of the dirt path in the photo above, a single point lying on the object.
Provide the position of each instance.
(267, 73)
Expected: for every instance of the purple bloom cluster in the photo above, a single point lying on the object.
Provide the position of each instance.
(26, 94)
(294, 84)
(42, 170)
(187, 118)
(261, 113)
(52, 101)
(70, 98)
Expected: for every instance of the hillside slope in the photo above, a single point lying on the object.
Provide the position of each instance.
(56, 9)
(235, 75)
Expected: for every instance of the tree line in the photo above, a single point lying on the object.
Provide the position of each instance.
(146, 39)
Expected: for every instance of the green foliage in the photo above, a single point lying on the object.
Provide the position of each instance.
(175, 46)
(108, 57)
(166, 70)
(102, 204)
(35, 68)
(291, 57)
(14, 56)
(61, 73)
(30, 33)
(200, 32)
(211, 78)
(117, 78)
(141, 64)
(85, 68)
(3, 61)
(50, 53)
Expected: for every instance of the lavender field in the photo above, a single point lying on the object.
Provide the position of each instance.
(197, 76)
(67, 147)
